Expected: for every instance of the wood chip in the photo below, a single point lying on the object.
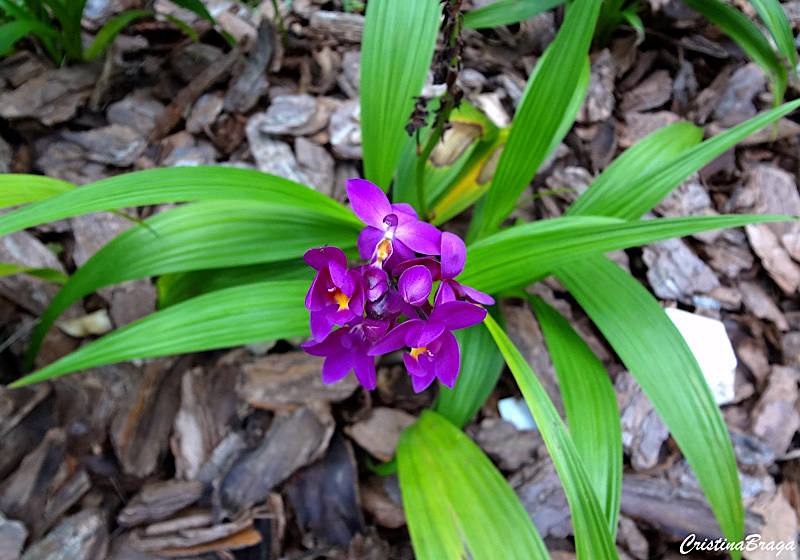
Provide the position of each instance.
(380, 431)
(509, 447)
(775, 418)
(381, 498)
(289, 381)
(675, 272)
(12, 536)
(539, 489)
(761, 305)
(82, 536)
(158, 500)
(643, 431)
(325, 496)
(292, 441)
(599, 102)
(340, 26)
(653, 92)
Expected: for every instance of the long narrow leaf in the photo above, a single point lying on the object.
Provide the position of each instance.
(397, 49)
(203, 235)
(49, 274)
(651, 347)
(21, 189)
(12, 32)
(748, 36)
(777, 23)
(593, 540)
(481, 366)
(526, 253)
(110, 30)
(590, 405)
(231, 317)
(179, 286)
(540, 115)
(175, 184)
(624, 191)
(507, 12)
(457, 503)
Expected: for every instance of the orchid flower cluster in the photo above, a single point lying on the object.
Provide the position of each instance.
(371, 309)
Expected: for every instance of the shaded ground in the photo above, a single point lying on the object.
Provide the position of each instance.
(245, 454)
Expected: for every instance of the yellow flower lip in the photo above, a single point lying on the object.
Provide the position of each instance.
(415, 352)
(341, 299)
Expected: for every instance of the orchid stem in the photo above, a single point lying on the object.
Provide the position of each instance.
(435, 136)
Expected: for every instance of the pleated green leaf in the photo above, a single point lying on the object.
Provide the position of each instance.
(774, 18)
(541, 112)
(593, 540)
(748, 36)
(523, 254)
(49, 274)
(179, 286)
(396, 52)
(220, 319)
(457, 503)
(208, 234)
(174, 184)
(110, 30)
(641, 177)
(22, 189)
(652, 348)
(507, 12)
(590, 405)
(12, 32)
(481, 366)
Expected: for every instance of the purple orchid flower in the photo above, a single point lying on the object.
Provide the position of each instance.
(434, 350)
(454, 256)
(345, 349)
(393, 231)
(336, 295)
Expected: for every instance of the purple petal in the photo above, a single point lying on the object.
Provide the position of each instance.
(340, 318)
(415, 285)
(473, 295)
(376, 283)
(413, 367)
(328, 347)
(368, 239)
(318, 296)
(428, 262)
(364, 367)
(405, 212)
(341, 279)
(319, 257)
(420, 380)
(444, 294)
(396, 338)
(374, 329)
(454, 255)
(427, 334)
(400, 254)
(458, 314)
(356, 304)
(319, 323)
(336, 367)
(448, 360)
(420, 237)
(369, 202)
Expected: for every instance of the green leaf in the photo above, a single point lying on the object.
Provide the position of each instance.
(457, 503)
(641, 177)
(481, 366)
(590, 405)
(209, 234)
(183, 26)
(21, 189)
(541, 113)
(507, 12)
(179, 286)
(612, 187)
(523, 254)
(221, 319)
(174, 184)
(110, 30)
(776, 22)
(12, 32)
(468, 134)
(593, 540)
(748, 36)
(654, 351)
(49, 274)
(396, 52)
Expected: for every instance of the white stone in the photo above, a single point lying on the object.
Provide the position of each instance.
(712, 349)
(516, 411)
